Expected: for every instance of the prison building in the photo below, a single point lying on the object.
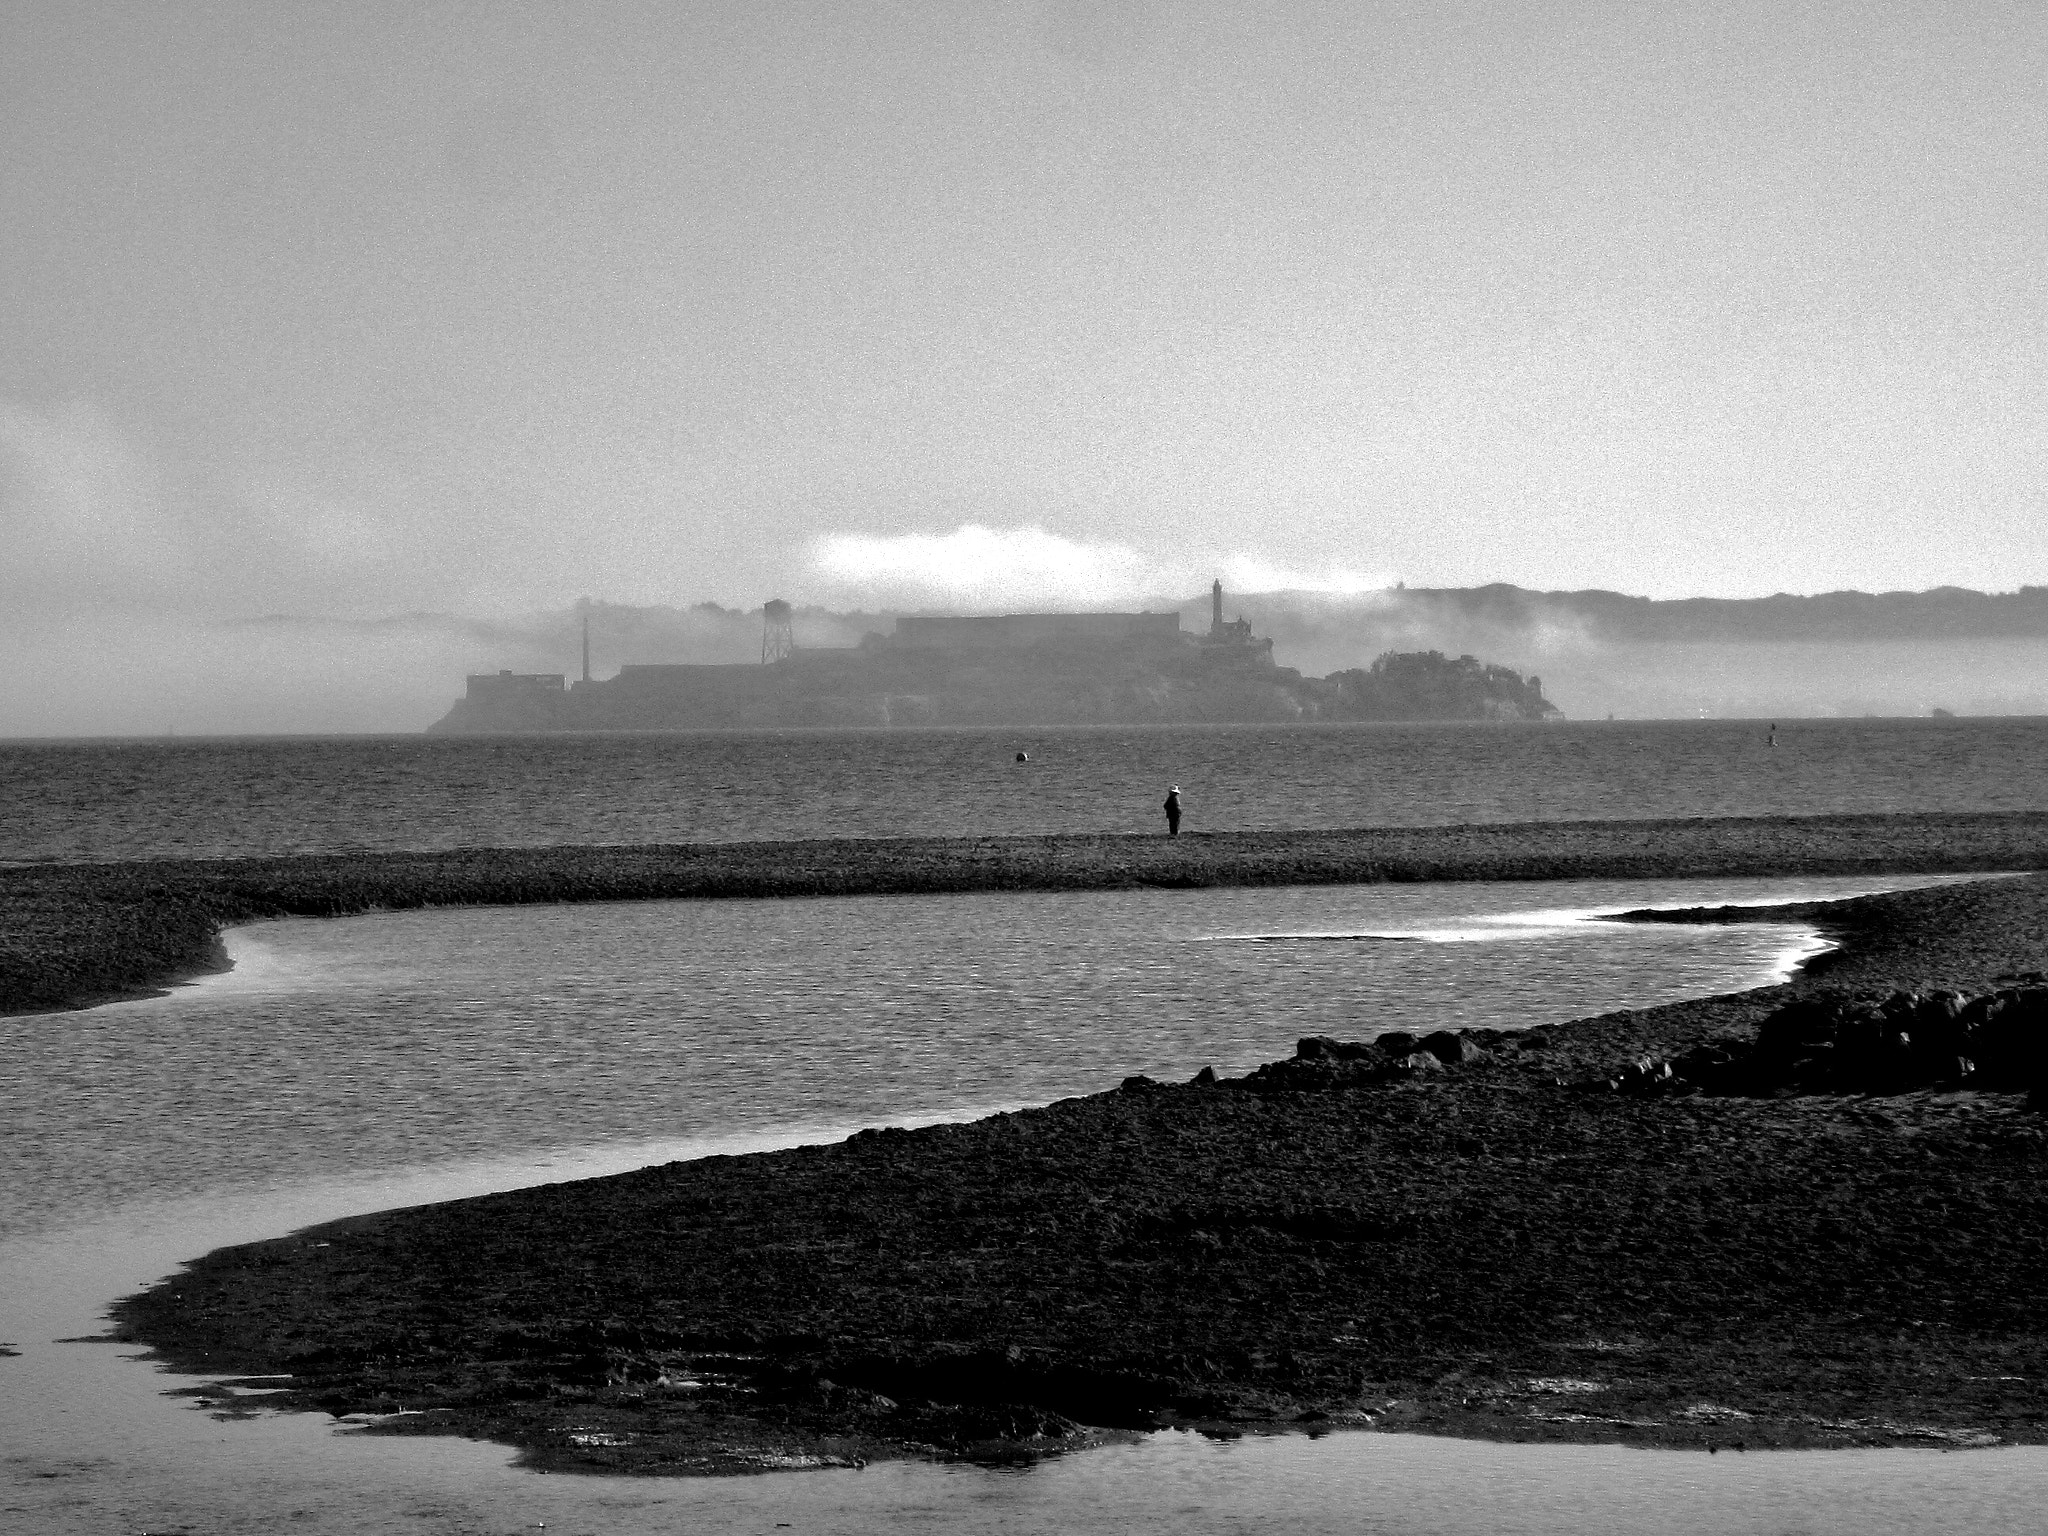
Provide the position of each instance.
(1009, 631)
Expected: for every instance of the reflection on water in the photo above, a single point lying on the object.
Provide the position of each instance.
(373, 1061)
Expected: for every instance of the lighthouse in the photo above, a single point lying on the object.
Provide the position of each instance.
(1235, 637)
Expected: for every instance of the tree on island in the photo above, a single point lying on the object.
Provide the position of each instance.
(1428, 685)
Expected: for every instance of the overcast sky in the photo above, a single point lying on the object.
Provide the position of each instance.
(360, 309)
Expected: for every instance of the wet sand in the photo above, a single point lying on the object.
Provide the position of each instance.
(1497, 1249)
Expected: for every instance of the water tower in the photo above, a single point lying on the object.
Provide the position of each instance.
(776, 640)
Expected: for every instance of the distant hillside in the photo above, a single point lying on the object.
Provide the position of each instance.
(1838, 653)
(1319, 631)
(1942, 613)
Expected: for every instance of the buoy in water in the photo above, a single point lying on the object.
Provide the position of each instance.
(1023, 757)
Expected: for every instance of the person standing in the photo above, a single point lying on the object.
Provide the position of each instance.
(1173, 811)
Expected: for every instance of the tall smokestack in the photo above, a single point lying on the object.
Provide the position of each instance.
(1216, 607)
(586, 640)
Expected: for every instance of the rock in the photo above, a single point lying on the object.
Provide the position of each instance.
(1205, 1078)
(1650, 1076)
(1419, 1061)
(1453, 1050)
(1320, 1065)
(2007, 1040)
(1328, 1048)
(1899, 1043)
(1395, 1042)
(1140, 1084)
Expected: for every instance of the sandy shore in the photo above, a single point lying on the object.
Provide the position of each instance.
(74, 935)
(1501, 1249)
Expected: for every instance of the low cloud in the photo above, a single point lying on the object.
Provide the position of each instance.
(82, 514)
(979, 567)
(93, 521)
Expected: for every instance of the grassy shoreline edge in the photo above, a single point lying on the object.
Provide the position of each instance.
(75, 935)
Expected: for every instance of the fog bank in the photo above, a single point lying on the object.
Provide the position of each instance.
(1597, 654)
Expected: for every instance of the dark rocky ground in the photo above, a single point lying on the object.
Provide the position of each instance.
(74, 935)
(1495, 1242)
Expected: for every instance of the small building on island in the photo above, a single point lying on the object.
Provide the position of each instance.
(512, 687)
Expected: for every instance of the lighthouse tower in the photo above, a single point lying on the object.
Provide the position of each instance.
(1235, 637)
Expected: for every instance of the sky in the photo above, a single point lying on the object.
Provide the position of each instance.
(350, 311)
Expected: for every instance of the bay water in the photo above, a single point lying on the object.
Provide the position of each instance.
(143, 799)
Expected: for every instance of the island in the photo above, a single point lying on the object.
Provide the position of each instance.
(1002, 669)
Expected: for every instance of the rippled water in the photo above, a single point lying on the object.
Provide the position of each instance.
(154, 799)
(403, 1039)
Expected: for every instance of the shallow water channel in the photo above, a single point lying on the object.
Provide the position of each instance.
(358, 1064)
